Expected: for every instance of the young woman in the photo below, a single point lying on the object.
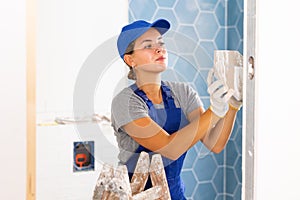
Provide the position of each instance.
(161, 116)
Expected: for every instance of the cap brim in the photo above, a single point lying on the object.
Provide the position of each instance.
(161, 25)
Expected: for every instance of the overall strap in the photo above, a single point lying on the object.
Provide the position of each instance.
(167, 96)
(141, 94)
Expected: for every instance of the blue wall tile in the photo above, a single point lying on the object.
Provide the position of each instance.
(218, 180)
(201, 87)
(185, 69)
(188, 30)
(192, 155)
(202, 58)
(205, 191)
(167, 14)
(219, 40)
(142, 9)
(220, 158)
(207, 25)
(231, 181)
(220, 13)
(164, 3)
(208, 5)
(205, 168)
(231, 153)
(234, 12)
(183, 7)
(189, 176)
(234, 39)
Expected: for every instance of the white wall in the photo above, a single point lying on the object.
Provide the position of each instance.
(55, 176)
(68, 32)
(13, 100)
(278, 98)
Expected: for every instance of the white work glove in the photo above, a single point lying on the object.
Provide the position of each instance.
(219, 95)
(229, 68)
(236, 83)
(234, 103)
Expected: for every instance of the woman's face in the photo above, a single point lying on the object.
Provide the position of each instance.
(149, 52)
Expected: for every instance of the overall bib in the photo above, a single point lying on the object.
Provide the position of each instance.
(170, 119)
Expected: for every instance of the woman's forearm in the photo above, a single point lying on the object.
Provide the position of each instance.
(217, 138)
(188, 136)
(209, 128)
(174, 145)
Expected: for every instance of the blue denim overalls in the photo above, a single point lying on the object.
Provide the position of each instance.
(171, 119)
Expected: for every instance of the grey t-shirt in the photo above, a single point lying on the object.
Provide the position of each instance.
(127, 107)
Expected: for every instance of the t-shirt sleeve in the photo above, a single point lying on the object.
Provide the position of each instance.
(127, 107)
(193, 100)
(188, 98)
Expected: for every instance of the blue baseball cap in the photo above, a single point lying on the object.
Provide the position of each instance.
(137, 28)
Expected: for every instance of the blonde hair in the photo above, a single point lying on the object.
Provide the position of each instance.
(130, 49)
(131, 74)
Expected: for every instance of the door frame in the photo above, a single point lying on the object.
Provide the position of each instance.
(31, 12)
(249, 88)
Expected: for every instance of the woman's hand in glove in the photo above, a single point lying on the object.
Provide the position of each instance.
(234, 103)
(219, 95)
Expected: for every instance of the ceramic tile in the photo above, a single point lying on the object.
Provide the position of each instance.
(205, 191)
(233, 12)
(208, 5)
(189, 178)
(142, 9)
(164, 3)
(207, 26)
(205, 168)
(186, 6)
(218, 180)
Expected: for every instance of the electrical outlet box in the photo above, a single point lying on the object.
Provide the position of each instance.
(83, 156)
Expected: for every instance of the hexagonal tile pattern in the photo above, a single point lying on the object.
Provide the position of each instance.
(183, 7)
(240, 26)
(238, 169)
(198, 27)
(205, 191)
(184, 43)
(207, 25)
(168, 14)
(185, 69)
(207, 5)
(219, 40)
(209, 48)
(220, 13)
(232, 181)
(142, 9)
(164, 3)
(201, 81)
(190, 158)
(172, 75)
(205, 168)
(202, 58)
(189, 31)
(235, 12)
(218, 180)
(231, 153)
(188, 176)
(233, 43)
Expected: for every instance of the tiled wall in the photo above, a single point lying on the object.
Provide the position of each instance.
(198, 27)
